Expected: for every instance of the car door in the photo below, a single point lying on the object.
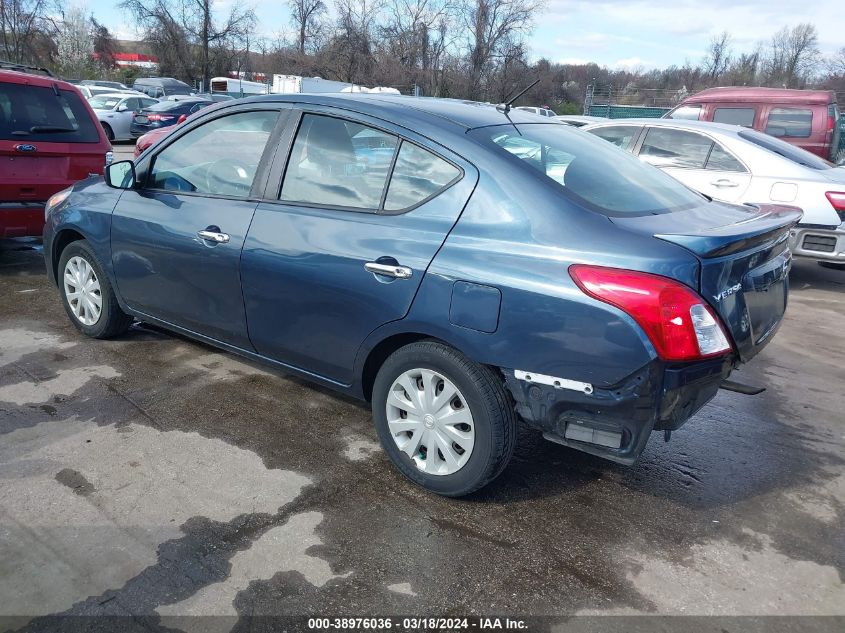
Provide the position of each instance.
(177, 238)
(124, 112)
(361, 210)
(695, 160)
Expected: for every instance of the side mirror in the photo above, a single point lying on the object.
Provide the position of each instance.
(122, 107)
(120, 175)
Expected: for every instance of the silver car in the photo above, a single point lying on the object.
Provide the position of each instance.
(115, 111)
(737, 164)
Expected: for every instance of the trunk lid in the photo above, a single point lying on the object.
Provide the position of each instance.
(744, 262)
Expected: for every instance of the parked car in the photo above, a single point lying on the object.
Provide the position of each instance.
(164, 114)
(158, 87)
(114, 85)
(544, 111)
(89, 92)
(116, 110)
(216, 96)
(579, 120)
(152, 137)
(49, 139)
(497, 266)
(739, 165)
(804, 118)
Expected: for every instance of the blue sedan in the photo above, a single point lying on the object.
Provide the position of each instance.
(458, 265)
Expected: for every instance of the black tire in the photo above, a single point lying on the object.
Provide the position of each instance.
(112, 321)
(839, 158)
(109, 132)
(833, 265)
(489, 403)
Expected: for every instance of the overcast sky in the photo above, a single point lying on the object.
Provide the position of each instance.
(615, 33)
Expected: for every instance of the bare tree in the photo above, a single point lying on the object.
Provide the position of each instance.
(793, 55)
(305, 15)
(23, 23)
(187, 37)
(494, 26)
(718, 57)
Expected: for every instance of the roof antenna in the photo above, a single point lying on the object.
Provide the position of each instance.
(506, 107)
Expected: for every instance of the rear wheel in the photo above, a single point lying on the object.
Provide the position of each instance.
(87, 295)
(445, 421)
(109, 132)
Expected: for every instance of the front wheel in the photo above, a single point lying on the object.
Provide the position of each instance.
(87, 295)
(445, 421)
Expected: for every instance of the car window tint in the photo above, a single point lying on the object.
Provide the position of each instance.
(786, 150)
(722, 160)
(793, 122)
(734, 116)
(591, 171)
(675, 148)
(619, 135)
(338, 163)
(688, 112)
(34, 113)
(220, 157)
(417, 175)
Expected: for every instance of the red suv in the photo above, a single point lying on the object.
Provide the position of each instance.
(806, 118)
(49, 139)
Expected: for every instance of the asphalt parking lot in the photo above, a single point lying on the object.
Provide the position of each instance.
(153, 476)
(123, 150)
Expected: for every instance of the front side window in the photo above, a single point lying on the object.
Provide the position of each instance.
(417, 175)
(620, 135)
(793, 122)
(35, 113)
(734, 116)
(589, 170)
(338, 163)
(218, 158)
(675, 148)
(687, 112)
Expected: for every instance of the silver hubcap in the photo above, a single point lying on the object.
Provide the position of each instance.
(82, 289)
(430, 421)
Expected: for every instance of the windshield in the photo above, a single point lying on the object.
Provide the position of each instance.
(592, 171)
(788, 151)
(104, 103)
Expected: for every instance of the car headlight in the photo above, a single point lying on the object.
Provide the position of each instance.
(55, 200)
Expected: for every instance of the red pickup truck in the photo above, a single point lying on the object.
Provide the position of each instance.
(49, 139)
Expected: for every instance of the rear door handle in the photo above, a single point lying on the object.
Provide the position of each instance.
(389, 270)
(214, 236)
(724, 182)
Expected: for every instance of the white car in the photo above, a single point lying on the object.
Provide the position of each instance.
(115, 111)
(535, 110)
(740, 165)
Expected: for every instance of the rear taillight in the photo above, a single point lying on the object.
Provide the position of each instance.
(837, 200)
(679, 323)
(160, 117)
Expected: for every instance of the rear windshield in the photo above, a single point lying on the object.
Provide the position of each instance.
(163, 106)
(104, 103)
(788, 151)
(34, 113)
(592, 171)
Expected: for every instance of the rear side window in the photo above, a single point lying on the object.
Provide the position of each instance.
(218, 158)
(688, 112)
(793, 122)
(338, 163)
(34, 113)
(620, 135)
(722, 160)
(417, 176)
(675, 148)
(590, 171)
(734, 116)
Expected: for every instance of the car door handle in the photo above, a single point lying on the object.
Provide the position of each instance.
(724, 182)
(389, 270)
(214, 236)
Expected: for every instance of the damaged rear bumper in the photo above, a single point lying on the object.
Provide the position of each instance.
(615, 422)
